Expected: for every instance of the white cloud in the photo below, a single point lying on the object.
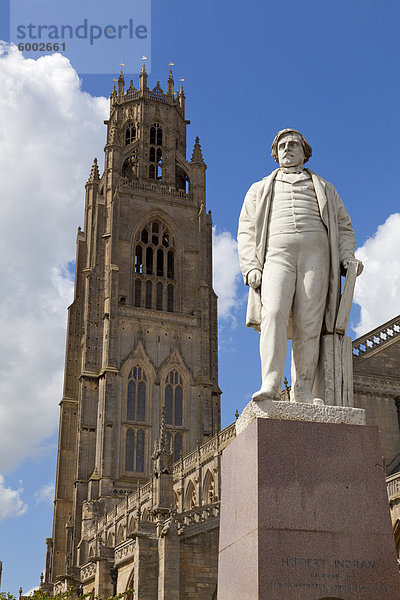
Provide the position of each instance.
(11, 503)
(31, 591)
(227, 277)
(45, 493)
(49, 133)
(378, 288)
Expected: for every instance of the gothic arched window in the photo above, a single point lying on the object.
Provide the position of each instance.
(173, 404)
(130, 166)
(130, 133)
(155, 152)
(135, 450)
(136, 397)
(154, 269)
(173, 399)
(208, 488)
(190, 496)
(135, 415)
(156, 134)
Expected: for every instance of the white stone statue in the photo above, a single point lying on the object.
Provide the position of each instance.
(295, 238)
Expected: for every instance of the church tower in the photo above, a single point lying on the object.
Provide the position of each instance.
(142, 329)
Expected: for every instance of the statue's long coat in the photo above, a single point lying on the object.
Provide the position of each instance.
(253, 232)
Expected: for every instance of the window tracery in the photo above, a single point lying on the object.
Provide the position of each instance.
(135, 413)
(130, 166)
(154, 268)
(136, 398)
(134, 450)
(130, 133)
(155, 152)
(173, 399)
(173, 403)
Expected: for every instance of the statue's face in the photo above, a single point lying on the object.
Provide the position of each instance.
(290, 151)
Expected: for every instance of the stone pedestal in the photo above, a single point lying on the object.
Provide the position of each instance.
(305, 514)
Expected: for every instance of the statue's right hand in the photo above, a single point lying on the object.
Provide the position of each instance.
(254, 278)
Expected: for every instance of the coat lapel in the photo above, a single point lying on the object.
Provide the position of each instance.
(319, 186)
(262, 213)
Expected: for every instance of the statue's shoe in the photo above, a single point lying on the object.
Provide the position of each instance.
(318, 402)
(313, 401)
(264, 395)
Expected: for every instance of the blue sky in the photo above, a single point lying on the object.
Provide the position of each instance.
(330, 70)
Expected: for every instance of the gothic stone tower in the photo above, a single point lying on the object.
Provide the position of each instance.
(142, 329)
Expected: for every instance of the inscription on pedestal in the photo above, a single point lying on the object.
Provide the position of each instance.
(333, 576)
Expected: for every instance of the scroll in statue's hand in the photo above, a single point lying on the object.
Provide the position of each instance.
(254, 278)
(360, 266)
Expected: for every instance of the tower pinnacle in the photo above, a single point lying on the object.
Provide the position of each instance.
(170, 84)
(143, 79)
(197, 155)
(181, 98)
(121, 83)
(94, 173)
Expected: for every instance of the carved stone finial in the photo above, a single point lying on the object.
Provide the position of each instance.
(170, 84)
(197, 156)
(161, 446)
(143, 79)
(181, 98)
(121, 83)
(158, 89)
(94, 173)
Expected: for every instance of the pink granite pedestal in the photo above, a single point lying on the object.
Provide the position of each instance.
(305, 515)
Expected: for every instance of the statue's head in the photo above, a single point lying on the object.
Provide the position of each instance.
(290, 148)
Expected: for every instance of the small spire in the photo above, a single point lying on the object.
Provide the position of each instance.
(94, 173)
(170, 84)
(181, 98)
(161, 445)
(143, 79)
(113, 93)
(121, 83)
(286, 391)
(197, 156)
